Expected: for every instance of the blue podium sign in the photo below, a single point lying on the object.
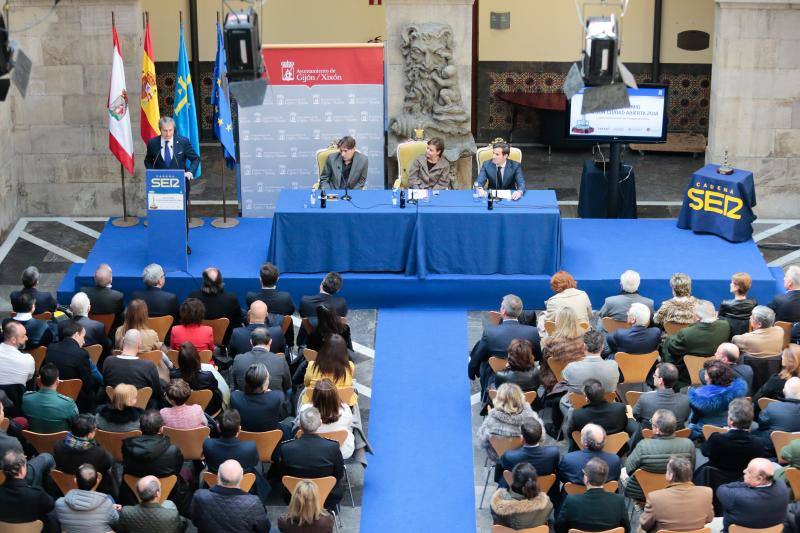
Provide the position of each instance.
(166, 219)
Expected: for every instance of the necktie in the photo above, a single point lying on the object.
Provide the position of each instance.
(167, 155)
(499, 178)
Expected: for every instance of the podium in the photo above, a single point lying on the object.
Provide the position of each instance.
(166, 219)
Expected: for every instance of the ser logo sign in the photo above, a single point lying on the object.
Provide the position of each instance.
(703, 197)
(164, 183)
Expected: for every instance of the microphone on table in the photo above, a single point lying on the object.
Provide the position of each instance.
(346, 196)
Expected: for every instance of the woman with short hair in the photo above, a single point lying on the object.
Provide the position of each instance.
(506, 419)
(709, 402)
(431, 170)
(566, 294)
(680, 308)
(192, 312)
(520, 368)
(523, 505)
(305, 513)
(180, 415)
(737, 309)
(121, 414)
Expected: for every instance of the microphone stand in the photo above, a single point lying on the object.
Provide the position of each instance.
(346, 196)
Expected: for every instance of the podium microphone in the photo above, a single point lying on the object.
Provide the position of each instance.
(346, 196)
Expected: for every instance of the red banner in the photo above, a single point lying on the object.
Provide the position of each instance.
(344, 65)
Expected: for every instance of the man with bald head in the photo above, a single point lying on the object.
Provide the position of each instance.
(226, 507)
(16, 367)
(593, 438)
(758, 501)
(728, 354)
(150, 516)
(259, 316)
(103, 298)
(219, 303)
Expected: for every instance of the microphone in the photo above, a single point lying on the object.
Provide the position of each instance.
(346, 196)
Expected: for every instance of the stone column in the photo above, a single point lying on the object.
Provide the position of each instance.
(460, 146)
(755, 98)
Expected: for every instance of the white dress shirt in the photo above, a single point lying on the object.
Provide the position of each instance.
(16, 368)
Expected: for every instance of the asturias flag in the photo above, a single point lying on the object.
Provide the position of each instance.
(149, 99)
(220, 99)
(120, 137)
(185, 114)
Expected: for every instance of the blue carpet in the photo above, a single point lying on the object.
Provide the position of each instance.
(420, 478)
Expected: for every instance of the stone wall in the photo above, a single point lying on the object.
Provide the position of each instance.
(9, 184)
(755, 98)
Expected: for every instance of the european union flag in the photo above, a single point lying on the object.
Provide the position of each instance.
(220, 99)
(185, 114)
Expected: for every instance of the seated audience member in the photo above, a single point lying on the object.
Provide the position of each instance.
(180, 415)
(652, 455)
(432, 170)
(523, 505)
(595, 509)
(333, 362)
(612, 417)
(191, 328)
(38, 331)
(44, 301)
(345, 169)
(790, 367)
(121, 414)
(95, 331)
(728, 354)
(765, 338)
(564, 346)
(520, 367)
(758, 501)
(681, 307)
(151, 453)
(566, 295)
(335, 414)
(496, 339)
(733, 450)
(305, 512)
(791, 454)
(159, 302)
(737, 310)
(331, 284)
(505, 420)
(664, 397)
(228, 446)
(16, 367)
(218, 303)
(73, 362)
(128, 368)
(189, 371)
(136, 318)
(785, 414)
(79, 447)
(37, 468)
(20, 501)
(103, 299)
(681, 506)
(327, 323)
(280, 377)
(786, 306)
(710, 401)
(543, 458)
(638, 338)
(48, 411)
(261, 409)
(83, 509)
(593, 438)
(592, 366)
(279, 302)
(257, 317)
(149, 516)
(701, 338)
(311, 456)
(617, 307)
(226, 507)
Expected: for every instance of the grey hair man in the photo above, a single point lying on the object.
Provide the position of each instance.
(261, 353)
(616, 307)
(681, 506)
(593, 438)
(786, 306)
(30, 282)
(21, 502)
(701, 338)
(765, 339)
(105, 300)
(783, 415)
(732, 450)
(638, 338)
(159, 302)
(150, 514)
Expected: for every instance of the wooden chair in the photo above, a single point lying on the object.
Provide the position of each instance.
(167, 484)
(787, 331)
(635, 367)
(764, 402)
(173, 358)
(614, 442)
(306, 323)
(154, 356)
(309, 354)
(494, 318)
(205, 357)
(70, 387)
(26, 527)
(161, 325)
(703, 530)
(4, 423)
(38, 355)
(530, 396)
(500, 445)
(611, 325)
(793, 478)
(673, 327)
(107, 319)
(95, 351)
(200, 397)
(111, 441)
(733, 528)
(497, 363)
(43, 442)
(324, 485)
(632, 396)
(650, 481)
(780, 439)
(248, 480)
(615, 530)
(550, 326)
(220, 326)
(647, 433)
(346, 394)
(286, 324)
(142, 395)
(709, 429)
(545, 482)
(266, 442)
(694, 364)
(579, 400)
(46, 316)
(66, 482)
(574, 488)
(497, 528)
(557, 367)
(190, 441)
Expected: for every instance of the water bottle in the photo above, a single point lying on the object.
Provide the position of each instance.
(394, 197)
(490, 203)
(313, 198)
(402, 200)
(322, 199)
(475, 196)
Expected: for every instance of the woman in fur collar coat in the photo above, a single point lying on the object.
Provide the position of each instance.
(710, 402)
(522, 505)
(505, 420)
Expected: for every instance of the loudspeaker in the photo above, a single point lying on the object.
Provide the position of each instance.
(249, 93)
(244, 45)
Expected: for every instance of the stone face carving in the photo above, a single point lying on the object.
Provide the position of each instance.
(432, 98)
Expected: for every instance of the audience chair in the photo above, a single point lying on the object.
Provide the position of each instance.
(47, 316)
(501, 445)
(530, 396)
(545, 482)
(579, 400)
(94, 351)
(614, 442)
(793, 478)
(201, 398)
(708, 429)
(781, 439)
(205, 356)
(307, 325)
(673, 327)
(346, 394)
(550, 326)
(26, 527)
(340, 436)
(611, 325)
(632, 396)
(66, 482)
(266, 442)
(190, 441)
(167, 484)
(574, 488)
(142, 395)
(321, 157)
(38, 355)
(309, 354)
(557, 367)
(497, 363)
(154, 356)
(160, 324)
(694, 364)
(497, 528)
(635, 367)
(407, 152)
(494, 318)
(763, 368)
(787, 331)
(703, 530)
(107, 319)
(70, 387)
(43, 442)
(647, 433)
(220, 326)
(484, 153)
(248, 480)
(733, 528)
(173, 357)
(650, 481)
(287, 323)
(615, 530)
(764, 402)
(112, 441)
(324, 485)
(4, 423)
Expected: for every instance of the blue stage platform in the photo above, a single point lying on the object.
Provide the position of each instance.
(595, 251)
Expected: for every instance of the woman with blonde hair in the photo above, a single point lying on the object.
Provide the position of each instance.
(737, 309)
(566, 294)
(305, 513)
(790, 368)
(564, 346)
(679, 308)
(505, 420)
(121, 414)
(136, 318)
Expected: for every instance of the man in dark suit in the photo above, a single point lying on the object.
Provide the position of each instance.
(279, 302)
(280, 375)
(19, 501)
(217, 451)
(595, 509)
(496, 339)
(103, 299)
(159, 302)
(664, 397)
(501, 173)
(311, 456)
(95, 331)
(638, 338)
(346, 168)
(787, 306)
(30, 280)
(331, 284)
(258, 317)
(593, 438)
(757, 502)
(218, 302)
(73, 363)
(38, 331)
(612, 417)
(783, 415)
(732, 451)
(543, 458)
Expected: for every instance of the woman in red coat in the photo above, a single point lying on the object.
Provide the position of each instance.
(192, 329)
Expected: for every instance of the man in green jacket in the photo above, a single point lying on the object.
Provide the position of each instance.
(48, 411)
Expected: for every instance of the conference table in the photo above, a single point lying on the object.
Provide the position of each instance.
(448, 233)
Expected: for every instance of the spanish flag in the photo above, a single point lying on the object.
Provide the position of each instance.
(149, 97)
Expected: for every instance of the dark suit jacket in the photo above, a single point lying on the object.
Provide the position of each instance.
(759, 507)
(260, 412)
(159, 302)
(635, 340)
(312, 456)
(227, 509)
(331, 177)
(21, 503)
(240, 339)
(495, 342)
(786, 307)
(279, 302)
(280, 377)
(732, 451)
(513, 178)
(69, 459)
(106, 301)
(73, 363)
(780, 416)
(222, 305)
(95, 332)
(38, 331)
(44, 300)
(610, 416)
(570, 469)
(309, 304)
(182, 152)
(217, 451)
(543, 458)
(594, 510)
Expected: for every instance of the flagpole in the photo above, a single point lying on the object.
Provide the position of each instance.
(125, 221)
(223, 223)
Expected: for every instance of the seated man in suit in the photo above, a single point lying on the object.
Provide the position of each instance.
(664, 397)
(595, 509)
(783, 415)
(612, 417)
(149, 514)
(728, 353)
(733, 450)
(47, 410)
(159, 302)
(73, 362)
(764, 338)
(345, 169)
(38, 331)
(128, 368)
(331, 284)
(787, 306)
(280, 375)
(21, 502)
(258, 317)
(496, 339)
(278, 302)
(757, 502)
(432, 170)
(593, 438)
(638, 338)
(501, 173)
(95, 331)
(543, 458)
(681, 506)
(30, 280)
(79, 447)
(218, 302)
(311, 456)
(228, 446)
(616, 307)
(103, 299)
